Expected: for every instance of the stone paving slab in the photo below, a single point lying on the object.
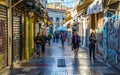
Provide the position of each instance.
(49, 72)
(48, 64)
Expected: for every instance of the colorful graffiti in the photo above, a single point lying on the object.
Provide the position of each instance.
(100, 41)
(113, 35)
(112, 38)
(112, 56)
(100, 49)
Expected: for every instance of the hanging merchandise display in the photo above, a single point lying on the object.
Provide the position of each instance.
(3, 37)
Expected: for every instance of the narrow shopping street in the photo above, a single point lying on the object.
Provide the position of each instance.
(61, 61)
(28, 26)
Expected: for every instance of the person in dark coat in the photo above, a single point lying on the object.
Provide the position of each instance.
(75, 42)
(49, 38)
(43, 42)
(38, 43)
(63, 39)
(92, 40)
(57, 37)
(54, 36)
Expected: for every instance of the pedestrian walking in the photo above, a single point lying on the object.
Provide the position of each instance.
(63, 39)
(75, 42)
(43, 42)
(54, 37)
(57, 37)
(92, 40)
(48, 39)
(38, 43)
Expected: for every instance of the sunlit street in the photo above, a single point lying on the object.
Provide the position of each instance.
(59, 37)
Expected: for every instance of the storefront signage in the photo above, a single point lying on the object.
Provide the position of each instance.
(95, 7)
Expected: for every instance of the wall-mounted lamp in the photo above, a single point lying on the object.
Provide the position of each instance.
(30, 13)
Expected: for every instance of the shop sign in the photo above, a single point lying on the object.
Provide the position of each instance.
(95, 7)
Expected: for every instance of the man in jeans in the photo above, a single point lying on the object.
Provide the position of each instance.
(38, 43)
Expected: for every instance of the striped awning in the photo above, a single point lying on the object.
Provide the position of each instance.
(68, 18)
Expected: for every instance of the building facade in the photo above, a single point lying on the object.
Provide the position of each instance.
(17, 30)
(104, 19)
(56, 17)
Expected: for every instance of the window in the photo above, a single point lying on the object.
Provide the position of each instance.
(51, 18)
(57, 19)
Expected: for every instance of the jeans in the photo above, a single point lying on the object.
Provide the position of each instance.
(92, 51)
(38, 48)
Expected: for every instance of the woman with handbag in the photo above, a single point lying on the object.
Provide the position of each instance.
(63, 39)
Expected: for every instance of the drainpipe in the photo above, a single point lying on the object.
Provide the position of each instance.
(26, 52)
(31, 31)
(11, 6)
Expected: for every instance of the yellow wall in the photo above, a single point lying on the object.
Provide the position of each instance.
(26, 37)
(50, 5)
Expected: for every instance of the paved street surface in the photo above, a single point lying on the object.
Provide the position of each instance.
(62, 61)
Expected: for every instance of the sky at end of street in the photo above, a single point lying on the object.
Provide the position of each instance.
(68, 3)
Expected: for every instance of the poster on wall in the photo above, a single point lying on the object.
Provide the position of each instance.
(2, 24)
(112, 31)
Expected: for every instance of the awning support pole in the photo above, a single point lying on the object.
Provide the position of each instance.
(16, 4)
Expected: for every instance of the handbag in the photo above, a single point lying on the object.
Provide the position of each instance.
(64, 39)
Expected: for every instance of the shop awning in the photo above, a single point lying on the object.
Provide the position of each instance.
(109, 2)
(95, 7)
(67, 23)
(68, 18)
(85, 4)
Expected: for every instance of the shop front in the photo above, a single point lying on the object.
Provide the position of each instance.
(95, 10)
(112, 31)
(3, 37)
(84, 21)
(17, 34)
